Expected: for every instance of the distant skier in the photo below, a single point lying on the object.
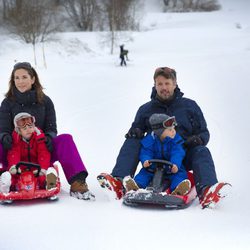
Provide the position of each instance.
(123, 54)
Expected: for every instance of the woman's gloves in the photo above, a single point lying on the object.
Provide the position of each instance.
(49, 142)
(13, 169)
(7, 141)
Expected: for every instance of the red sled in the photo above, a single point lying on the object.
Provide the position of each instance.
(157, 194)
(27, 186)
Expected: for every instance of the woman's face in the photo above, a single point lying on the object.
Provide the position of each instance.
(23, 81)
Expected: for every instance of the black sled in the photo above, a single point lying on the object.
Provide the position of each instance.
(158, 194)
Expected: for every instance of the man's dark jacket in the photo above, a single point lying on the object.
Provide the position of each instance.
(188, 115)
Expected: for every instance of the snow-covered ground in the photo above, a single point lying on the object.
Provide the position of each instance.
(96, 101)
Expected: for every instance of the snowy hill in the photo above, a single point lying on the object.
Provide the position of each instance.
(96, 101)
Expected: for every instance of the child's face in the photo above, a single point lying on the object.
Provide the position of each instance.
(27, 131)
(170, 132)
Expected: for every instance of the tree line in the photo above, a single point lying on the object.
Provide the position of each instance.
(191, 5)
(35, 21)
(81, 15)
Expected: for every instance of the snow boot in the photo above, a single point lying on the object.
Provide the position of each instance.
(111, 183)
(5, 182)
(130, 184)
(183, 188)
(212, 195)
(51, 178)
(79, 189)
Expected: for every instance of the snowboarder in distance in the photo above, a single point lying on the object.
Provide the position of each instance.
(123, 54)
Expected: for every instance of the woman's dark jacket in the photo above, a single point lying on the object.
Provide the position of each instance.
(44, 112)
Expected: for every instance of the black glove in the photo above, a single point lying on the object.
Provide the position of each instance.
(7, 142)
(193, 141)
(134, 133)
(49, 142)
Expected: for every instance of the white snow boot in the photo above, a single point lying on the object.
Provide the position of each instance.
(5, 182)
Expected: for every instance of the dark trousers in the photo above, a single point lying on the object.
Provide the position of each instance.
(123, 60)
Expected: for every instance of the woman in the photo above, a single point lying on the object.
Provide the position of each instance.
(26, 94)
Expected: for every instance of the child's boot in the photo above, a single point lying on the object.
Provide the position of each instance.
(130, 184)
(51, 178)
(183, 188)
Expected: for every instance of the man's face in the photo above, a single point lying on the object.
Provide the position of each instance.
(164, 87)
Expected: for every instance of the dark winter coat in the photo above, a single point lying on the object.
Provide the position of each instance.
(34, 151)
(44, 112)
(188, 115)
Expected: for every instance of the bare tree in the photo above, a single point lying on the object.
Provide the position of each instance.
(120, 16)
(82, 13)
(32, 21)
(5, 5)
(191, 5)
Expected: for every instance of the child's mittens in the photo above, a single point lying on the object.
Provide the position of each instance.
(42, 172)
(146, 164)
(174, 169)
(13, 169)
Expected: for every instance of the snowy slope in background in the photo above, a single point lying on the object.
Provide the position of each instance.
(96, 101)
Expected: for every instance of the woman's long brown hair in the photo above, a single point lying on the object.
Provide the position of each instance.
(31, 71)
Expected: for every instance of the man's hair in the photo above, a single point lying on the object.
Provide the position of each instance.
(168, 73)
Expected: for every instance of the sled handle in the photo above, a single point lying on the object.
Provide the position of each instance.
(28, 166)
(160, 164)
(163, 162)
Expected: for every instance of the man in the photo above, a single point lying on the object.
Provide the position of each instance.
(167, 98)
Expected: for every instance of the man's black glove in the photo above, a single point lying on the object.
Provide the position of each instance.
(134, 133)
(193, 141)
(7, 142)
(49, 142)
